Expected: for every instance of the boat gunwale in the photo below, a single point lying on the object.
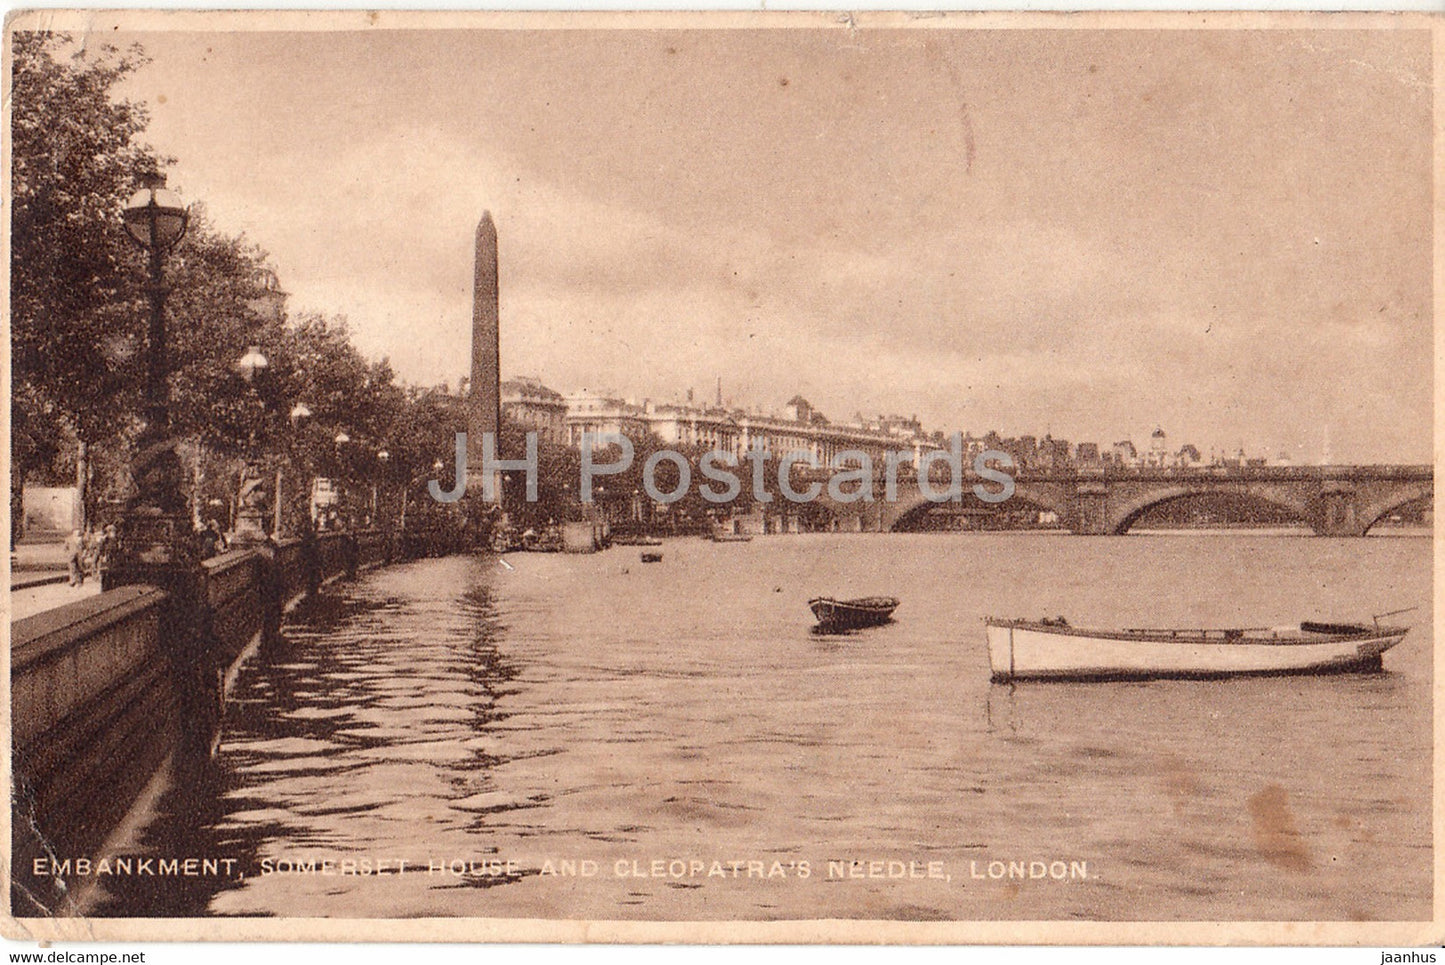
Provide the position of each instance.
(1224, 636)
(868, 603)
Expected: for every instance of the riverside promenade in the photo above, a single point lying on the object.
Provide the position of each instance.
(106, 688)
(28, 600)
(40, 580)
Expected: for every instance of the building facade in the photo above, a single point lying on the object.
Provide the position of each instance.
(800, 428)
(528, 403)
(717, 428)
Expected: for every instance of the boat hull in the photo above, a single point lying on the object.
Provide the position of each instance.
(1023, 651)
(851, 615)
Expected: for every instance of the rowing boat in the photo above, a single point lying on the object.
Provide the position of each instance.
(1054, 650)
(852, 614)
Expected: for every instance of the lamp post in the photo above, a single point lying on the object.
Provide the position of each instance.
(343, 438)
(300, 412)
(382, 457)
(155, 544)
(250, 525)
(155, 531)
(252, 364)
(597, 509)
(155, 220)
(436, 467)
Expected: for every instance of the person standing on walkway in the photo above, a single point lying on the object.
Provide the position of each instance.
(104, 548)
(75, 556)
(222, 543)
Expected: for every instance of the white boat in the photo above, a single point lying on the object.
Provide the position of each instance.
(1054, 650)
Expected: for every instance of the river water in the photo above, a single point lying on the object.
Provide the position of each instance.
(676, 743)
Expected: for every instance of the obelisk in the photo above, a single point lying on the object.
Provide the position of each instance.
(484, 403)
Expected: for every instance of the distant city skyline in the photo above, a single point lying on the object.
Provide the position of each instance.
(1031, 231)
(1139, 438)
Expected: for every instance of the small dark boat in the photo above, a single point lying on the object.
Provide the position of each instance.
(731, 538)
(651, 557)
(865, 611)
(636, 541)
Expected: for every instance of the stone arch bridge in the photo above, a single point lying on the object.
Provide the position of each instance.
(1332, 500)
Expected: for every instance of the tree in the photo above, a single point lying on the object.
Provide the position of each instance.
(78, 284)
(422, 430)
(72, 292)
(35, 433)
(78, 304)
(72, 299)
(214, 280)
(558, 471)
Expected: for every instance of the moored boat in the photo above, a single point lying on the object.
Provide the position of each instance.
(636, 541)
(1054, 650)
(865, 611)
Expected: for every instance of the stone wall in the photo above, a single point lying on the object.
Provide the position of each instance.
(104, 689)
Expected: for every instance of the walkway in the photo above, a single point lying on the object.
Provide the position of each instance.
(35, 599)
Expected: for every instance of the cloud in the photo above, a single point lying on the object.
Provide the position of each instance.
(1227, 231)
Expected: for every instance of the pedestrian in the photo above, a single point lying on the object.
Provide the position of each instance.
(222, 544)
(75, 556)
(206, 542)
(92, 552)
(104, 549)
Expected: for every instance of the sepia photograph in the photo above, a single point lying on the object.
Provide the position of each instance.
(730, 477)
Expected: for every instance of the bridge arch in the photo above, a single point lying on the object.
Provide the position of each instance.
(1122, 519)
(1045, 498)
(1378, 510)
(910, 510)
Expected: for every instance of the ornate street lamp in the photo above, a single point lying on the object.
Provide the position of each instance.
(250, 525)
(300, 412)
(155, 220)
(155, 531)
(252, 364)
(382, 457)
(343, 469)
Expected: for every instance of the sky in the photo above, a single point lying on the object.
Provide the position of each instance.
(1090, 233)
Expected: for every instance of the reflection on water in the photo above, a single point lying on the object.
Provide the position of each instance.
(583, 737)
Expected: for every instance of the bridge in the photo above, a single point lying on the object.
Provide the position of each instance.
(1331, 500)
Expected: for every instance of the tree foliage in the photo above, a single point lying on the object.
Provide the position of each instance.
(74, 299)
(79, 305)
(215, 281)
